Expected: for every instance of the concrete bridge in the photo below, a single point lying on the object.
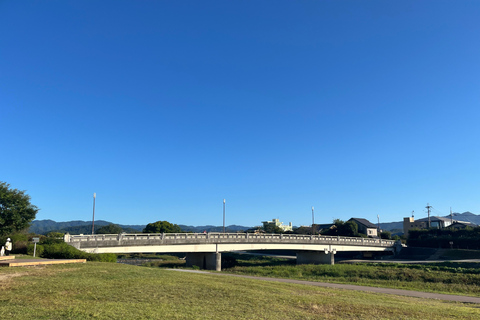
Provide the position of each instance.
(204, 249)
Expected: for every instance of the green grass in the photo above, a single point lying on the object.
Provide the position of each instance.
(115, 291)
(457, 254)
(159, 256)
(451, 278)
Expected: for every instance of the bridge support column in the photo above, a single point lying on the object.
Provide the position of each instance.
(205, 260)
(316, 257)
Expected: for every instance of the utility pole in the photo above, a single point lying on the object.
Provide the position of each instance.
(313, 222)
(93, 219)
(223, 215)
(428, 210)
(451, 215)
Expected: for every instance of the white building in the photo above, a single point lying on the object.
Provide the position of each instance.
(277, 223)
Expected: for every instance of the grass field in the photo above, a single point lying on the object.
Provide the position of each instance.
(98, 290)
(461, 254)
(447, 277)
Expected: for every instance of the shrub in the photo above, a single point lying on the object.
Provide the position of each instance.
(65, 251)
(54, 234)
(102, 257)
(38, 252)
(19, 241)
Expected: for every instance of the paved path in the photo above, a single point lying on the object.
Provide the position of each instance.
(400, 292)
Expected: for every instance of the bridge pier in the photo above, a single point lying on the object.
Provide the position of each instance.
(316, 257)
(205, 260)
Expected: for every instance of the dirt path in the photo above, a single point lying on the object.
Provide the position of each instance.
(400, 292)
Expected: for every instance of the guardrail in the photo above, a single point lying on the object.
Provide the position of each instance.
(179, 238)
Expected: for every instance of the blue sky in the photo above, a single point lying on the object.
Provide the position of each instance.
(165, 108)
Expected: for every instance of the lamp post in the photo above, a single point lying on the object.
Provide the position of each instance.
(93, 219)
(378, 218)
(223, 215)
(313, 221)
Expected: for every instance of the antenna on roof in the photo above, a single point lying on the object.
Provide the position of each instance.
(413, 212)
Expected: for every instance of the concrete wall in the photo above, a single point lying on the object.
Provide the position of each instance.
(315, 257)
(204, 260)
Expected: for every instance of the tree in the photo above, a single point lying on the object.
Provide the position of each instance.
(16, 211)
(385, 235)
(162, 226)
(342, 228)
(110, 229)
(303, 230)
(272, 228)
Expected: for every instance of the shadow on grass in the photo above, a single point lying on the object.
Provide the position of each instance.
(245, 260)
(172, 264)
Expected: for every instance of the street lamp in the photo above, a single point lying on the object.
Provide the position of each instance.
(378, 218)
(223, 215)
(93, 219)
(313, 221)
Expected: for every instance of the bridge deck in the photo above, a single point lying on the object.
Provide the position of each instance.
(217, 242)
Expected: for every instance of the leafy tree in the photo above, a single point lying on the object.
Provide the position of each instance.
(110, 229)
(342, 228)
(54, 234)
(385, 235)
(347, 229)
(16, 211)
(162, 226)
(466, 238)
(271, 228)
(307, 230)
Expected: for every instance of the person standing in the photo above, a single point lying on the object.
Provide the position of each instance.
(8, 246)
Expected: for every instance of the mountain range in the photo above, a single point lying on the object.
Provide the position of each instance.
(85, 227)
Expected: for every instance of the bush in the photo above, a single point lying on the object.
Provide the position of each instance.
(38, 252)
(65, 251)
(54, 234)
(102, 257)
(51, 240)
(19, 242)
(468, 238)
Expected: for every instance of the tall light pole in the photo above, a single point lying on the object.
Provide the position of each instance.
(223, 215)
(313, 221)
(93, 219)
(378, 218)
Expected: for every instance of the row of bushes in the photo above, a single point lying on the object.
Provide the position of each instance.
(65, 251)
(444, 242)
(468, 238)
(53, 247)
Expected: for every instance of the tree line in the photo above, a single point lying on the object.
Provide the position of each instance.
(467, 238)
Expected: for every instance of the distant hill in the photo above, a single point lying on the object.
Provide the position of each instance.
(76, 226)
(210, 228)
(465, 216)
(391, 225)
(85, 227)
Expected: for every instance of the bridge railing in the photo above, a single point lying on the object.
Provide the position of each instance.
(214, 237)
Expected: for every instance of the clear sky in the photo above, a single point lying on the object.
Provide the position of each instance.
(165, 108)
